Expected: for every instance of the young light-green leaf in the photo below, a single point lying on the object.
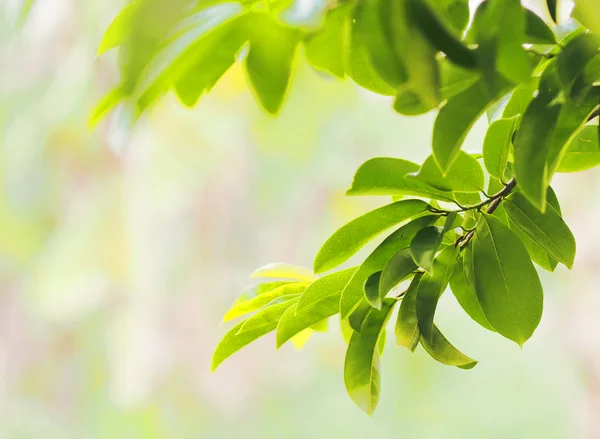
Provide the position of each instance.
(507, 284)
(583, 151)
(283, 270)
(325, 286)
(236, 339)
(407, 324)
(361, 369)
(350, 238)
(376, 261)
(547, 229)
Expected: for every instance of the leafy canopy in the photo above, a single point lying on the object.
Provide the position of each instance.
(474, 222)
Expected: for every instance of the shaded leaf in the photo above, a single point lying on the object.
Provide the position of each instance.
(440, 349)
(399, 268)
(407, 325)
(425, 245)
(536, 30)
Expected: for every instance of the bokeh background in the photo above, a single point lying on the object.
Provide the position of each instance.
(121, 249)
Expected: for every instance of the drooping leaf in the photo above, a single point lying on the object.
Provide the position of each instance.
(425, 245)
(236, 339)
(377, 260)
(265, 294)
(284, 271)
(358, 315)
(350, 238)
(269, 62)
(407, 325)
(464, 290)
(118, 31)
(583, 152)
(325, 286)
(371, 290)
(464, 175)
(386, 176)
(533, 139)
(440, 349)
(294, 320)
(552, 9)
(496, 146)
(573, 58)
(436, 33)
(547, 229)
(507, 285)
(455, 119)
(361, 369)
(326, 47)
(536, 252)
(399, 267)
(431, 288)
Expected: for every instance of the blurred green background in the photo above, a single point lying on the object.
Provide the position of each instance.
(120, 250)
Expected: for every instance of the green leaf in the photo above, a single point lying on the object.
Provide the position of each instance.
(588, 13)
(464, 175)
(547, 229)
(371, 290)
(431, 288)
(455, 79)
(496, 146)
(326, 47)
(294, 320)
(362, 364)
(325, 286)
(386, 176)
(440, 349)
(552, 9)
(266, 316)
(536, 30)
(583, 152)
(407, 325)
(521, 97)
(425, 245)
(419, 62)
(106, 104)
(455, 119)
(269, 62)
(439, 36)
(283, 271)
(573, 58)
(263, 295)
(350, 238)
(367, 28)
(533, 139)
(358, 315)
(464, 290)
(507, 284)
(536, 252)
(399, 268)
(409, 103)
(236, 339)
(376, 261)
(213, 56)
(118, 31)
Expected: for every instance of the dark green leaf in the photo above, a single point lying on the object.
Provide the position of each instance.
(358, 315)
(407, 325)
(371, 290)
(440, 349)
(464, 290)
(409, 103)
(325, 286)
(234, 340)
(269, 62)
(350, 238)
(376, 261)
(326, 47)
(536, 30)
(464, 175)
(425, 245)
(431, 288)
(361, 368)
(496, 146)
(536, 252)
(399, 267)
(583, 152)
(573, 58)
(386, 176)
(507, 285)
(547, 229)
(552, 9)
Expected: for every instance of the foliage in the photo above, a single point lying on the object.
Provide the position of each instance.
(474, 222)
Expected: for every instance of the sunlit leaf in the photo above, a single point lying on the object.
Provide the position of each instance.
(496, 146)
(284, 271)
(463, 175)
(325, 286)
(583, 152)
